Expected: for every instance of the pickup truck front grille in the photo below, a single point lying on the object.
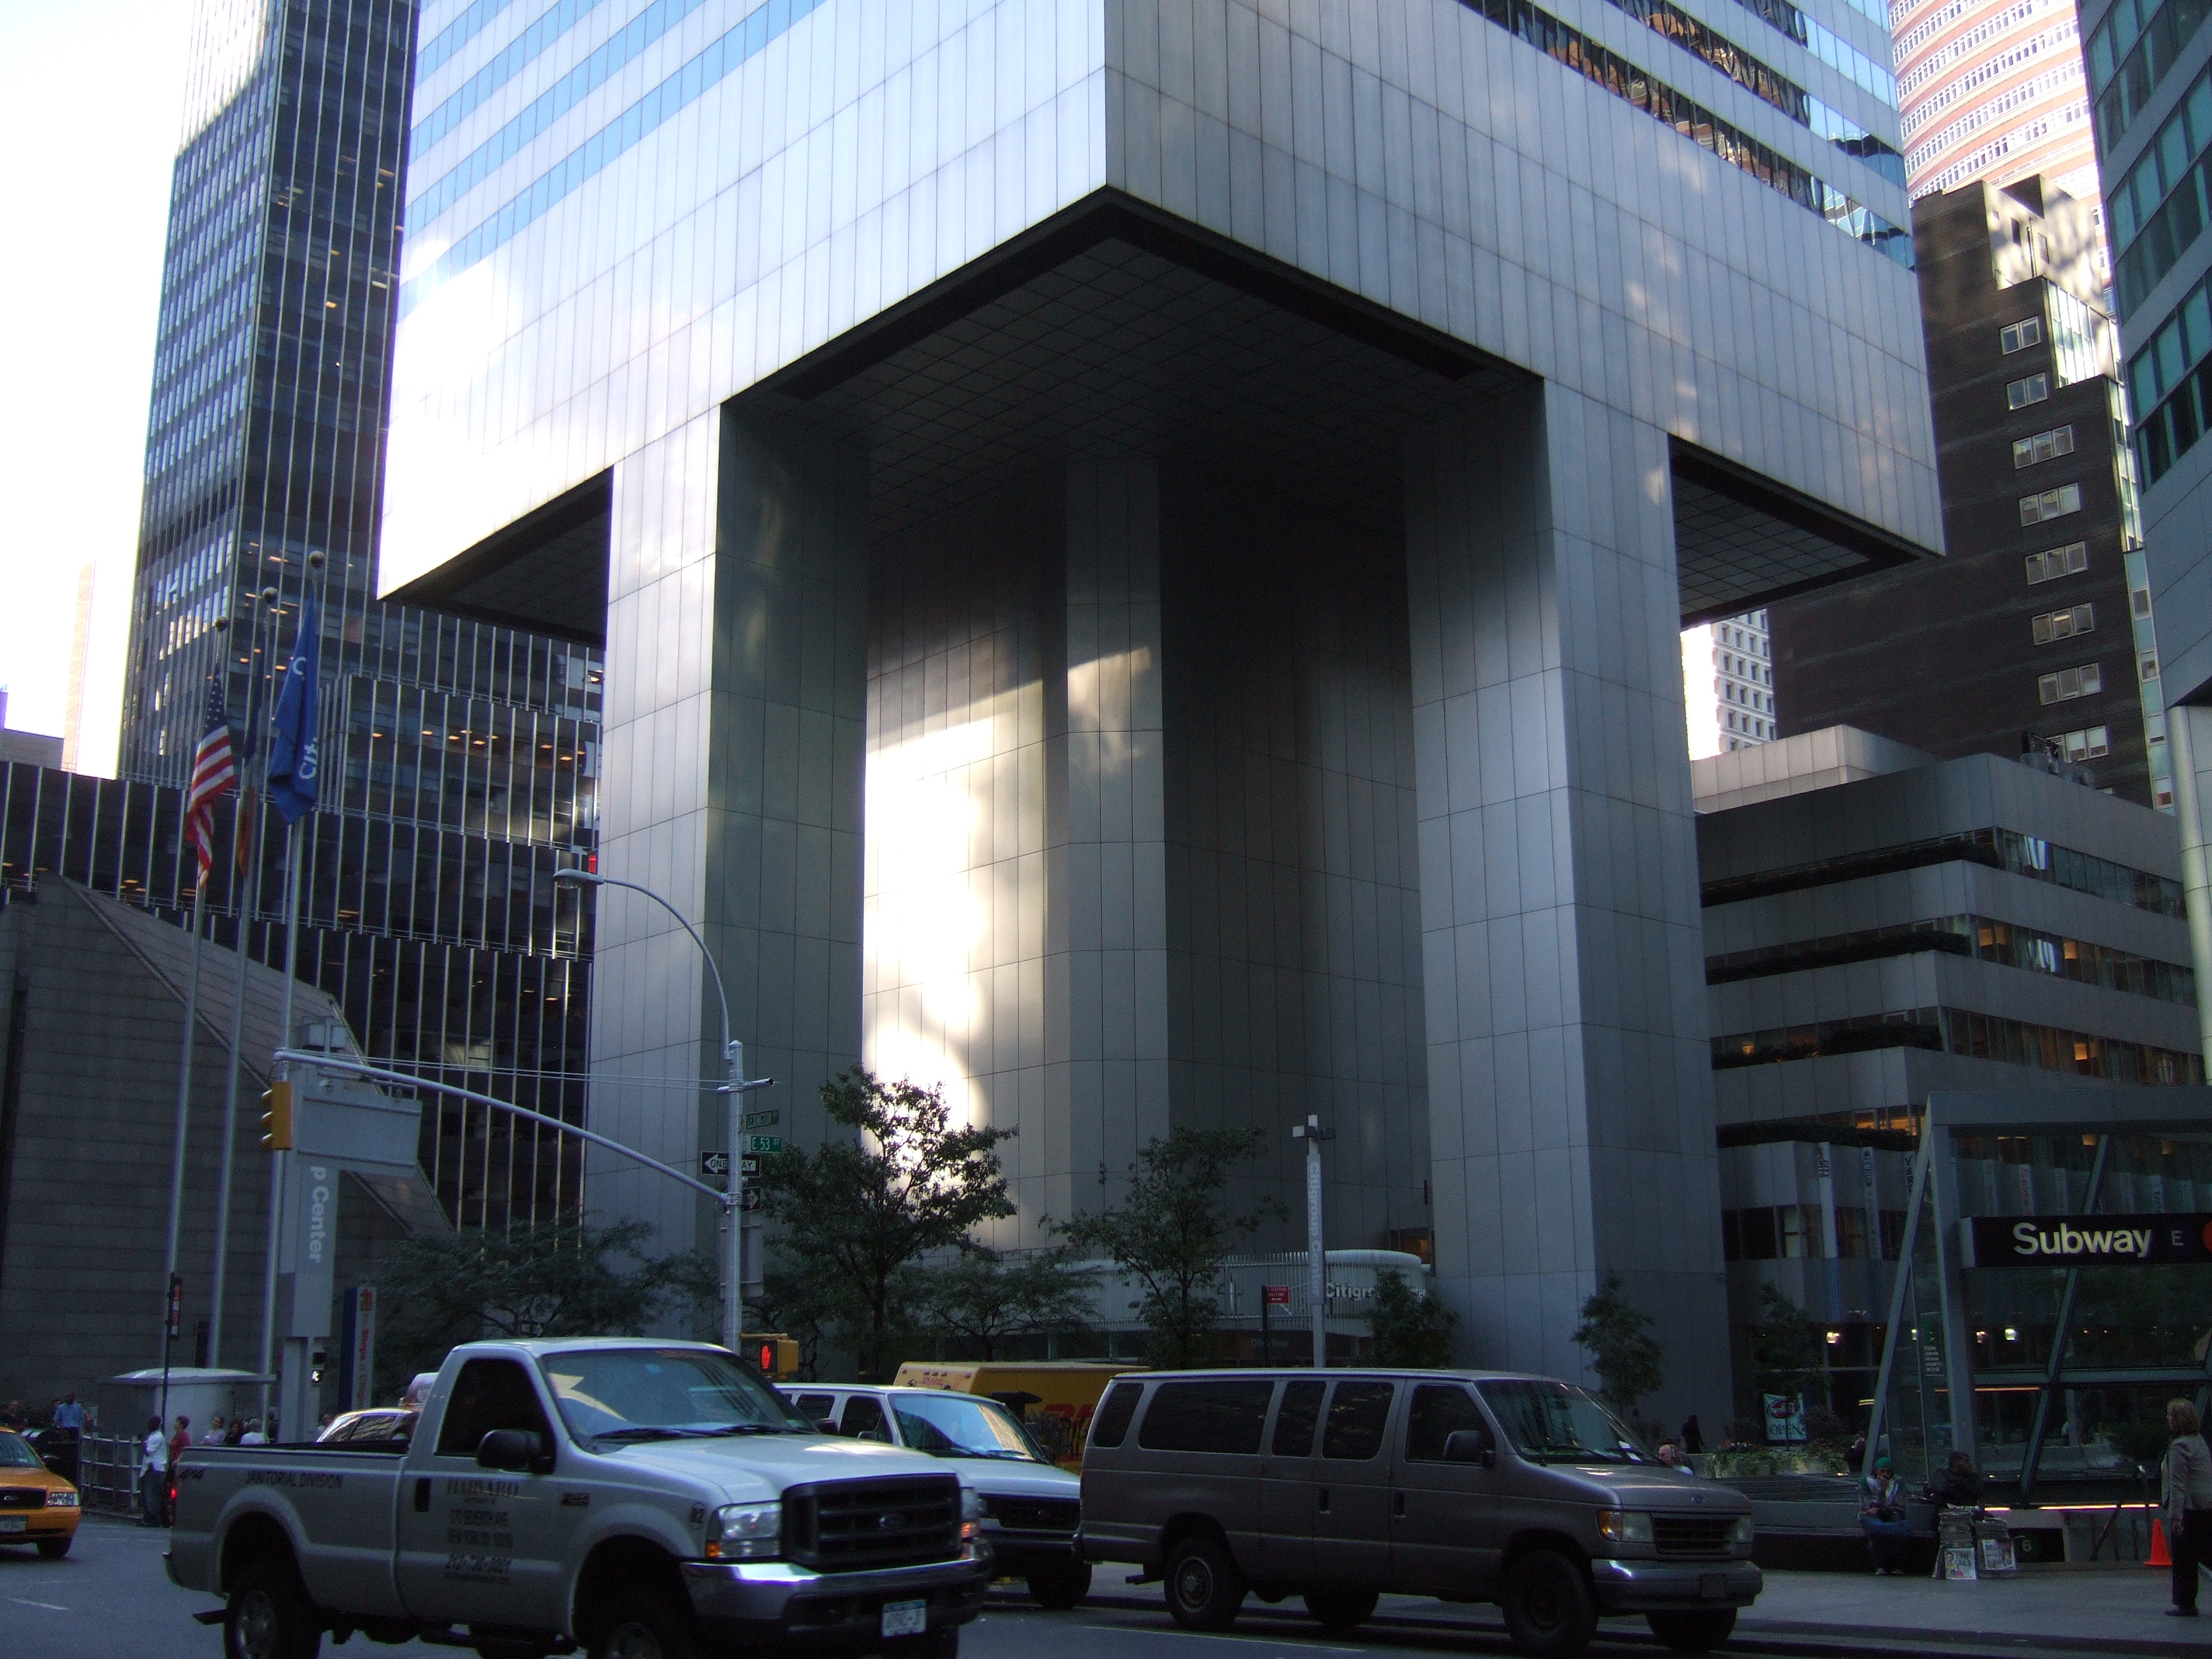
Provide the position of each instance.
(1701, 1536)
(1037, 1514)
(858, 1525)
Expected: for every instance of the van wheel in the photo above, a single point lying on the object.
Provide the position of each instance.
(1548, 1607)
(1061, 1585)
(1204, 1589)
(270, 1616)
(1340, 1609)
(1693, 1632)
(642, 1626)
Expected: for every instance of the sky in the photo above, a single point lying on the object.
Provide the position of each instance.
(91, 94)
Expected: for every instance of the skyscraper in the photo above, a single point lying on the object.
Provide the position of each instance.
(1728, 683)
(460, 755)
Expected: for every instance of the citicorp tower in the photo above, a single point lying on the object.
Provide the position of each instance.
(1142, 544)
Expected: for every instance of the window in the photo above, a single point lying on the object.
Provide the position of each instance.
(2043, 446)
(2028, 331)
(1358, 1414)
(2091, 742)
(2139, 601)
(2048, 504)
(2082, 682)
(814, 1408)
(2068, 561)
(488, 1394)
(2032, 390)
(1297, 1419)
(2064, 624)
(863, 1419)
(1111, 1422)
(1207, 1417)
(1439, 1411)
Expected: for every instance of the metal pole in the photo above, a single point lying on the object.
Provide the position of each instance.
(1313, 1135)
(2034, 1453)
(1906, 1246)
(183, 1116)
(733, 1208)
(280, 1166)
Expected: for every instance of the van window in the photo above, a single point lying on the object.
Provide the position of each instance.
(1111, 1420)
(488, 1394)
(1439, 1410)
(816, 1407)
(1297, 1419)
(863, 1419)
(1358, 1414)
(1207, 1417)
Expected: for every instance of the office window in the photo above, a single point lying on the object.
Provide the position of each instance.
(2139, 601)
(2054, 563)
(2064, 624)
(2090, 742)
(2049, 504)
(2028, 331)
(2043, 446)
(2032, 390)
(2067, 682)
(2147, 665)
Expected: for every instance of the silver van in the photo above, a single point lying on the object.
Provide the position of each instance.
(1466, 1485)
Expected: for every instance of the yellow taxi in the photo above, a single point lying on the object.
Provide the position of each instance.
(37, 1506)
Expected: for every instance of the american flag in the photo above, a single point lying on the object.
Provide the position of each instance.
(213, 771)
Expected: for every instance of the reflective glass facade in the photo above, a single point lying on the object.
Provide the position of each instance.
(463, 755)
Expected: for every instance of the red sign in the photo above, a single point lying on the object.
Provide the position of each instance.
(1275, 1296)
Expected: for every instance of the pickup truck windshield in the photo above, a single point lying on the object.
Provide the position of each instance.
(952, 1426)
(664, 1394)
(1544, 1420)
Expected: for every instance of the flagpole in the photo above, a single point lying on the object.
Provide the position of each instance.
(183, 1111)
(251, 909)
(281, 1165)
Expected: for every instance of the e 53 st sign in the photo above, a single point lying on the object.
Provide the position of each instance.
(2086, 1241)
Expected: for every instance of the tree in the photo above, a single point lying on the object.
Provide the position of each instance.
(1172, 1236)
(982, 1299)
(554, 1279)
(794, 1305)
(1617, 1336)
(1785, 1353)
(855, 1215)
(1410, 1327)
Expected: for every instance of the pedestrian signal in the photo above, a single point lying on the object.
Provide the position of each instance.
(276, 1117)
(776, 1354)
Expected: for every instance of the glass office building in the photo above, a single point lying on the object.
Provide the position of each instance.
(460, 755)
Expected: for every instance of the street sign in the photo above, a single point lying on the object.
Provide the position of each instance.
(749, 1167)
(767, 1120)
(713, 1164)
(749, 1199)
(763, 1144)
(2155, 1238)
(1275, 1296)
(176, 1318)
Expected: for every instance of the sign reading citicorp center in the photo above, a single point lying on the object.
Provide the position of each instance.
(2079, 1241)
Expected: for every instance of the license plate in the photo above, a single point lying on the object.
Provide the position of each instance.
(1713, 1587)
(906, 1619)
(14, 1523)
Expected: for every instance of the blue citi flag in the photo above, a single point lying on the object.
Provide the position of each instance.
(294, 762)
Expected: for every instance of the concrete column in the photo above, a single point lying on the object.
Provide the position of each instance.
(2189, 737)
(1569, 1082)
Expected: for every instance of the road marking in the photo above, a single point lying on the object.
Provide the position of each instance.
(51, 1607)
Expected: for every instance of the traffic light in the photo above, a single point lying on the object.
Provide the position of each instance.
(776, 1354)
(276, 1117)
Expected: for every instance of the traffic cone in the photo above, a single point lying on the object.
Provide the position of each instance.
(2159, 1557)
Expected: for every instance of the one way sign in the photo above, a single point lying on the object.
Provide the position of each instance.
(716, 1163)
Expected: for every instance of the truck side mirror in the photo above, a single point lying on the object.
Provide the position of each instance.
(510, 1450)
(1470, 1446)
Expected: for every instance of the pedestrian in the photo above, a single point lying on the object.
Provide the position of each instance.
(1959, 1488)
(181, 1438)
(1672, 1457)
(253, 1437)
(154, 1478)
(236, 1433)
(1693, 1437)
(1882, 1519)
(69, 1416)
(2188, 1504)
(215, 1430)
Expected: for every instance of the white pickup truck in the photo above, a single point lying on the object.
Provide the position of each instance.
(644, 1499)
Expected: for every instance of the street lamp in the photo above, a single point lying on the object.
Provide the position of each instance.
(1313, 1135)
(733, 1090)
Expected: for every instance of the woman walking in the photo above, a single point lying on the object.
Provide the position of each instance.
(2188, 1504)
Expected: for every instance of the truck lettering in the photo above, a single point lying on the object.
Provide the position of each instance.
(480, 1517)
(307, 1479)
(479, 1569)
(470, 1487)
(478, 1539)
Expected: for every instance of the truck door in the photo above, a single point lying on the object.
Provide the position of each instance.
(1447, 1529)
(1352, 1499)
(479, 1545)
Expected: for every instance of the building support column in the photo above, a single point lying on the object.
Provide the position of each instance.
(1570, 1077)
(2189, 746)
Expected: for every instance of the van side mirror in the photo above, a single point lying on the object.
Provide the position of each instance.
(1470, 1446)
(513, 1451)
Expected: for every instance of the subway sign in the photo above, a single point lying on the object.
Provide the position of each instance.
(2079, 1241)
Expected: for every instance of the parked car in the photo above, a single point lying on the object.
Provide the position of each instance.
(1466, 1485)
(37, 1506)
(1031, 1508)
(637, 1498)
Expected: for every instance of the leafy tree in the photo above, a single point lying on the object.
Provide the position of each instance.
(1172, 1235)
(1617, 1336)
(556, 1280)
(1785, 1355)
(981, 1299)
(795, 1306)
(1409, 1327)
(855, 1215)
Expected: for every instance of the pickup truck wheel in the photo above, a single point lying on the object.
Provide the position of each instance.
(1549, 1610)
(1061, 1585)
(1204, 1589)
(1693, 1632)
(1339, 1609)
(643, 1626)
(269, 1616)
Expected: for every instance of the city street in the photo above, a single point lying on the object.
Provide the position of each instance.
(110, 1599)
